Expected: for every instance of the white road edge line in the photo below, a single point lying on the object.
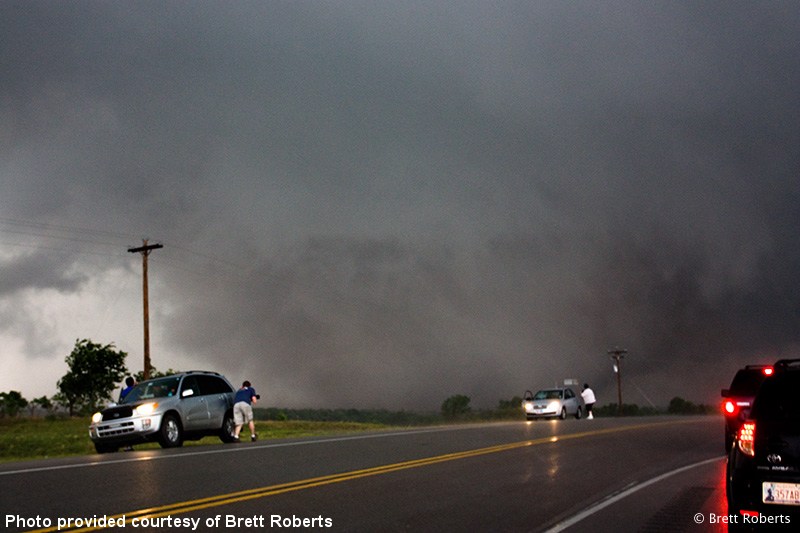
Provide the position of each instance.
(234, 448)
(561, 526)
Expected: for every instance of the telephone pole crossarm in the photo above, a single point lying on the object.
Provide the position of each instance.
(146, 248)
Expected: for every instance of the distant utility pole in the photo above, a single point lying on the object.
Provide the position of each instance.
(617, 355)
(145, 250)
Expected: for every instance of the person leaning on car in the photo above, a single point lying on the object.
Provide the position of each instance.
(588, 398)
(129, 384)
(243, 403)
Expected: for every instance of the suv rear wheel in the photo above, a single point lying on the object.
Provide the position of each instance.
(171, 433)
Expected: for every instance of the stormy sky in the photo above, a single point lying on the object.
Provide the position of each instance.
(382, 204)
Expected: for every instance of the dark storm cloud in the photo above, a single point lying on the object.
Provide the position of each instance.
(40, 271)
(391, 203)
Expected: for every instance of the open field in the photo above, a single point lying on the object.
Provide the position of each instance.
(23, 438)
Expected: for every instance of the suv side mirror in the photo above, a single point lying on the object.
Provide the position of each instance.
(187, 393)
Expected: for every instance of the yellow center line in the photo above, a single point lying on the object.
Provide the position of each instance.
(272, 490)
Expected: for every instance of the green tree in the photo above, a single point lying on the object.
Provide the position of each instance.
(510, 405)
(455, 406)
(11, 403)
(94, 371)
(60, 401)
(679, 406)
(42, 402)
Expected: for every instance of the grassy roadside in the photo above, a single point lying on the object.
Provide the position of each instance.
(22, 438)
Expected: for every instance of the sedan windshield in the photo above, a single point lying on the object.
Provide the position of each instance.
(157, 388)
(548, 395)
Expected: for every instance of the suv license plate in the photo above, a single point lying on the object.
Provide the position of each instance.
(781, 493)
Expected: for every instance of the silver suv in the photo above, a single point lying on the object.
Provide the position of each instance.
(184, 406)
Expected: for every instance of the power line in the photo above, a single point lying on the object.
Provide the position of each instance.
(70, 251)
(59, 237)
(206, 256)
(75, 234)
(60, 227)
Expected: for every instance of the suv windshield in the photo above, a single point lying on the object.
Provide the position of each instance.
(778, 399)
(157, 388)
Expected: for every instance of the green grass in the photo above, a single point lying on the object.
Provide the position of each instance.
(23, 438)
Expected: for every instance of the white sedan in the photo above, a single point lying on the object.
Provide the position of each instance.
(552, 403)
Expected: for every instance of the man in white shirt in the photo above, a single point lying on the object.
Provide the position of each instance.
(588, 398)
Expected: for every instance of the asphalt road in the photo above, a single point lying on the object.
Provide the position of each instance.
(634, 474)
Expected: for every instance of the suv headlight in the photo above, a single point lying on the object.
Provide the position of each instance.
(97, 417)
(146, 408)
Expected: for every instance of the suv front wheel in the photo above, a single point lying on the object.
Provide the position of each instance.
(171, 433)
(105, 448)
(226, 433)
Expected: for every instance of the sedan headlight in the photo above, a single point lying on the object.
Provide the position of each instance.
(553, 406)
(146, 409)
(97, 417)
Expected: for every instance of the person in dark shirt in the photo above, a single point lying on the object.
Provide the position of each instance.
(243, 403)
(129, 384)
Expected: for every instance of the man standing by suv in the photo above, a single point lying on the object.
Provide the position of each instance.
(243, 403)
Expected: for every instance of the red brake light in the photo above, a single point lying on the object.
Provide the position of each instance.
(768, 371)
(729, 407)
(747, 437)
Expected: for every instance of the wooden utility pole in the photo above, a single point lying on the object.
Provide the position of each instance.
(145, 250)
(617, 355)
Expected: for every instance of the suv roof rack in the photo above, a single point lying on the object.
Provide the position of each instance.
(787, 364)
